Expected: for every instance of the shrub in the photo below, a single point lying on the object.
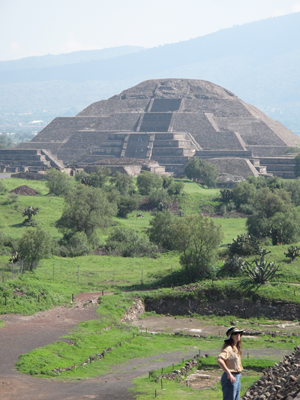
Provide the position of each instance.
(292, 253)
(160, 232)
(148, 182)
(232, 266)
(201, 171)
(58, 182)
(244, 245)
(128, 243)
(126, 205)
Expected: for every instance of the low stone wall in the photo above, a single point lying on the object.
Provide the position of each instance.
(241, 308)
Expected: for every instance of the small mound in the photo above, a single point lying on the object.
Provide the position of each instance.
(24, 190)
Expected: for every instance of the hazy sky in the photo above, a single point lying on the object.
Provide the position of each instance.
(38, 27)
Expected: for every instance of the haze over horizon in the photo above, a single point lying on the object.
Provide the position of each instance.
(35, 28)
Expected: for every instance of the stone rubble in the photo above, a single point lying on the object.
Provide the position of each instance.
(281, 382)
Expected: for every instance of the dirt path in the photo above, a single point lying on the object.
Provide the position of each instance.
(24, 333)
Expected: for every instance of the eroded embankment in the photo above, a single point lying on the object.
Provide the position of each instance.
(205, 303)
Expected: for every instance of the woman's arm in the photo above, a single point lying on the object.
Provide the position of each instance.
(223, 365)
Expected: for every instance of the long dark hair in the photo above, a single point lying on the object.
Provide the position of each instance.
(230, 342)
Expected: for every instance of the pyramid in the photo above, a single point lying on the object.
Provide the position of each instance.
(167, 121)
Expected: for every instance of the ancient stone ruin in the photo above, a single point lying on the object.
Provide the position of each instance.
(278, 382)
(168, 121)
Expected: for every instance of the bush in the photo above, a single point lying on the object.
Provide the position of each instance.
(156, 197)
(97, 179)
(77, 245)
(126, 205)
(128, 243)
(201, 171)
(244, 245)
(160, 232)
(232, 266)
(58, 182)
(147, 182)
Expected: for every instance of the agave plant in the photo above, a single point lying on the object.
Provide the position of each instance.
(261, 272)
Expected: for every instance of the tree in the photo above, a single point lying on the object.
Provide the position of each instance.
(148, 182)
(128, 243)
(97, 179)
(243, 193)
(160, 232)
(58, 182)
(86, 208)
(293, 188)
(201, 171)
(34, 245)
(269, 203)
(123, 183)
(197, 238)
(126, 205)
(283, 227)
(29, 212)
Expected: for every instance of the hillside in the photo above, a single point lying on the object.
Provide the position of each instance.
(258, 61)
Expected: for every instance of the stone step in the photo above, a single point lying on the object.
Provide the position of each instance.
(171, 160)
(223, 153)
(20, 151)
(172, 151)
(277, 160)
(106, 150)
(172, 143)
(171, 136)
(280, 167)
(284, 174)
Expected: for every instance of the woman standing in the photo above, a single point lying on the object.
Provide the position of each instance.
(230, 362)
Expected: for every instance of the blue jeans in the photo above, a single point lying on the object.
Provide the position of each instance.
(231, 391)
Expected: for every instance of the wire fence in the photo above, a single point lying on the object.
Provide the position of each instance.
(95, 276)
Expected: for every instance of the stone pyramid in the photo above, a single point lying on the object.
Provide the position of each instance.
(169, 121)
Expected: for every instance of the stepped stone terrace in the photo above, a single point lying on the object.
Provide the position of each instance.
(169, 121)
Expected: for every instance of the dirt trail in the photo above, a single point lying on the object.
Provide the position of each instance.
(24, 333)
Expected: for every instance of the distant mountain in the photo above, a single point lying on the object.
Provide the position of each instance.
(258, 61)
(75, 57)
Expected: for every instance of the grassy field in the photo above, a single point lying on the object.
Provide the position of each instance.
(57, 278)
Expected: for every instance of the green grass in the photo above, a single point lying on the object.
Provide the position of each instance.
(145, 389)
(2, 324)
(231, 228)
(92, 337)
